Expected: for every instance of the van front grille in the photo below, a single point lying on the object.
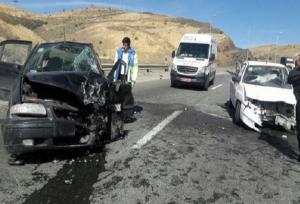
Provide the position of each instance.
(187, 69)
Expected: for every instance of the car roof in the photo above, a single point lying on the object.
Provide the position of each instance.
(65, 42)
(265, 64)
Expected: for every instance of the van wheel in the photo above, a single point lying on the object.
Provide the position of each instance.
(206, 84)
(213, 80)
(237, 114)
(173, 84)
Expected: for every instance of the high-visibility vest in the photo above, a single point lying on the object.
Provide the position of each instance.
(132, 66)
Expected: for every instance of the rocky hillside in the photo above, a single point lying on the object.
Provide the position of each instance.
(154, 36)
(268, 51)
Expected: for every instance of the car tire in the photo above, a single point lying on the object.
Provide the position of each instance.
(206, 84)
(115, 126)
(237, 114)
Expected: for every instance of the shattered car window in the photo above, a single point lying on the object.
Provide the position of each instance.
(63, 57)
(193, 50)
(14, 53)
(267, 76)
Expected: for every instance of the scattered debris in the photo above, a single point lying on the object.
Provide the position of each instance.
(68, 181)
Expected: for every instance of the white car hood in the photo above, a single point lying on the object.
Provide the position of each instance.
(190, 62)
(270, 94)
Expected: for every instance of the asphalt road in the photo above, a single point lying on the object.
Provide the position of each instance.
(183, 148)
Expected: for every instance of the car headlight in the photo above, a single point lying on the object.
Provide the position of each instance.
(28, 109)
(174, 67)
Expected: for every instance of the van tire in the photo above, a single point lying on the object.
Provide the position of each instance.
(213, 79)
(237, 114)
(206, 84)
(173, 84)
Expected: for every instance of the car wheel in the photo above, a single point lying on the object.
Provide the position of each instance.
(206, 84)
(115, 126)
(237, 114)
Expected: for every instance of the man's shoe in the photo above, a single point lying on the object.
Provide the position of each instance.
(298, 159)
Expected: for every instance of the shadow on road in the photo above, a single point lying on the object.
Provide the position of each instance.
(189, 87)
(273, 137)
(73, 182)
(45, 156)
(282, 145)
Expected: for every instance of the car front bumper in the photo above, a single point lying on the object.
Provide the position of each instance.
(250, 115)
(44, 133)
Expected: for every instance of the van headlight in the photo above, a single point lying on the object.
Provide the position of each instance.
(28, 109)
(174, 67)
(202, 70)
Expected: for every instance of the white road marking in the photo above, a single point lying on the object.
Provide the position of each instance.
(156, 129)
(218, 86)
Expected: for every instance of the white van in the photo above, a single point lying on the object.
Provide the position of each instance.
(194, 61)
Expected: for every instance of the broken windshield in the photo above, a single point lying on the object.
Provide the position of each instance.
(193, 50)
(63, 57)
(267, 76)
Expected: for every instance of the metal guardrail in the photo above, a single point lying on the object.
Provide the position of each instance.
(145, 67)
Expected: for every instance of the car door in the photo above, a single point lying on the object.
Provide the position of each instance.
(235, 85)
(123, 90)
(13, 55)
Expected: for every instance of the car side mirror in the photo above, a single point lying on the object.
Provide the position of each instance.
(173, 53)
(212, 57)
(237, 69)
(236, 79)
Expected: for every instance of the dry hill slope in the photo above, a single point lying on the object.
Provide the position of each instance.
(154, 36)
(263, 52)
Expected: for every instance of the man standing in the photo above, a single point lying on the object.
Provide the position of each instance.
(129, 56)
(294, 79)
(127, 74)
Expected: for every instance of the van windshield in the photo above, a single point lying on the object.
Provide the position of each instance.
(193, 50)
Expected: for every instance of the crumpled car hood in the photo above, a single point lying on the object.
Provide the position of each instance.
(68, 81)
(270, 94)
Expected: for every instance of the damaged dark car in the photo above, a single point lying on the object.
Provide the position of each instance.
(62, 99)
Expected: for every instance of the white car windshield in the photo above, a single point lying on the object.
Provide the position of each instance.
(266, 76)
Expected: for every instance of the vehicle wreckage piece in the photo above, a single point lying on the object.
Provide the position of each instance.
(262, 98)
(62, 100)
(258, 114)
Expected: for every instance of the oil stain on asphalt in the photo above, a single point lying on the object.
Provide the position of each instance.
(73, 183)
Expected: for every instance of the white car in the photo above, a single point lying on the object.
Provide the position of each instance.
(261, 96)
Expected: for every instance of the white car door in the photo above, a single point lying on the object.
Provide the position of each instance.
(236, 88)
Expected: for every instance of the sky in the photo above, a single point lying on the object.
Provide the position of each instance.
(249, 23)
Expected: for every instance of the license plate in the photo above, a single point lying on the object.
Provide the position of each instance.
(186, 79)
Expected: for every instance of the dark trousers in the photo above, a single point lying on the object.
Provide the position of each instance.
(298, 122)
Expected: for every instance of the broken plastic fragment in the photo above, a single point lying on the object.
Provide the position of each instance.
(68, 182)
